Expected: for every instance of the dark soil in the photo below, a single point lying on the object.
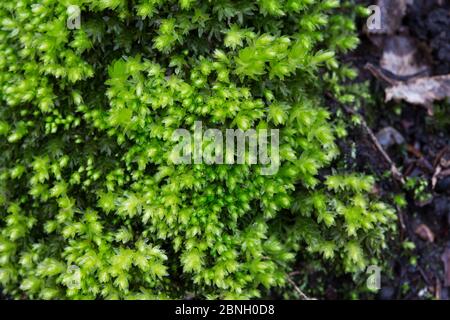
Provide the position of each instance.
(429, 21)
(426, 146)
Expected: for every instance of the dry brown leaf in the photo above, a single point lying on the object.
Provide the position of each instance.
(404, 57)
(424, 233)
(420, 91)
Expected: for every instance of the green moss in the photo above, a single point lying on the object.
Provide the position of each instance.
(92, 205)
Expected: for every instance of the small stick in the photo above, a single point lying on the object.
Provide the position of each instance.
(439, 156)
(394, 170)
(299, 291)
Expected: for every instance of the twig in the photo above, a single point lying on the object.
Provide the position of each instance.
(401, 221)
(438, 289)
(299, 291)
(435, 176)
(440, 155)
(379, 74)
(391, 78)
(394, 170)
(424, 275)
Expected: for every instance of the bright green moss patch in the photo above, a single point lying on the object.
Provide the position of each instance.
(91, 203)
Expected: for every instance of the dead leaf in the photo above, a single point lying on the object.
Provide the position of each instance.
(405, 57)
(420, 91)
(389, 136)
(446, 260)
(425, 233)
